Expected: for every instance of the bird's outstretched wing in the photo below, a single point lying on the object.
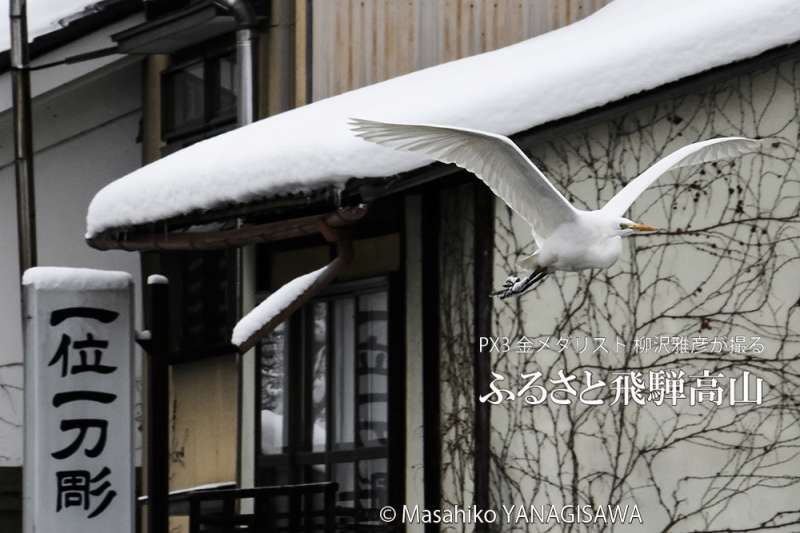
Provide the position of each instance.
(693, 154)
(495, 159)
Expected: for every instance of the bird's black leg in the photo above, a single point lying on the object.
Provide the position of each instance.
(531, 281)
(507, 285)
(513, 286)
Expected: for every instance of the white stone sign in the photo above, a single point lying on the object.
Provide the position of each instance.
(78, 332)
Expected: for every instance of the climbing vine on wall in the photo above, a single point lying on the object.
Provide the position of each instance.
(725, 265)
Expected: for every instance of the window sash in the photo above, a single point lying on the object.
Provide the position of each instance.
(218, 100)
(369, 458)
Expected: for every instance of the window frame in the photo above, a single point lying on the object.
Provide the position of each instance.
(299, 457)
(213, 121)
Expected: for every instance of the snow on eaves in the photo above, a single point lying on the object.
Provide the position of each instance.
(273, 305)
(625, 48)
(75, 279)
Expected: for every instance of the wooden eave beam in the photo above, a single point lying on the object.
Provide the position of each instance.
(231, 238)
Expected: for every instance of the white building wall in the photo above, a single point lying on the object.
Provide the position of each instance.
(726, 266)
(84, 136)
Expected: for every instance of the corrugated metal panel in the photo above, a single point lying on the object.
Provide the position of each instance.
(358, 42)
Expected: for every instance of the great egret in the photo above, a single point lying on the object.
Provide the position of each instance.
(566, 238)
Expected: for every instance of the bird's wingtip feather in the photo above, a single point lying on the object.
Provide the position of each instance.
(360, 126)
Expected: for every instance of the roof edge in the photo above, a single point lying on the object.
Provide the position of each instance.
(104, 14)
(365, 190)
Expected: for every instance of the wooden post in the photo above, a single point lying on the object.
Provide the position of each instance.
(302, 52)
(158, 406)
(154, 66)
(431, 420)
(484, 264)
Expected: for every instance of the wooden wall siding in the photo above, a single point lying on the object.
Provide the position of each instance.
(359, 42)
(203, 423)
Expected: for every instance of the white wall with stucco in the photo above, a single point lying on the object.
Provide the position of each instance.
(85, 135)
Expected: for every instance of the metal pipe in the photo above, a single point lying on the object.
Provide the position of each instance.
(246, 38)
(245, 111)
(244, 259)
(242, 12)
(23, 139)
(245, 107)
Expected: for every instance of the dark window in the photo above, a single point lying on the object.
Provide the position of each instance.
(208, 301)
(204, 298)
(199, 97)
(185, 88)
(324, 403)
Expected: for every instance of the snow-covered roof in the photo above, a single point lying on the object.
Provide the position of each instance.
(625, 48)
(274, 305)
(75, 279)
(44, 16)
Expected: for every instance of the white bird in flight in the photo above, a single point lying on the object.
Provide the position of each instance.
(567, 238)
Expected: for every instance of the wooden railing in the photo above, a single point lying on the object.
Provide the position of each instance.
(301, 508)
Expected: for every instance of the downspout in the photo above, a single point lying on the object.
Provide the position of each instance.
(245, 256)
(246, 38)
(23, 138)
(343, 239)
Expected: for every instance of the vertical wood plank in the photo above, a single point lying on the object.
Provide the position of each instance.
(359, 42)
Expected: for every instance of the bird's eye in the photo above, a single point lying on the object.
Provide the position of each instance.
(623, 226)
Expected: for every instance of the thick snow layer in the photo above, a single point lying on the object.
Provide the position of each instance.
(627, 47)
(44, 16)
(75, 279)
(273, 305)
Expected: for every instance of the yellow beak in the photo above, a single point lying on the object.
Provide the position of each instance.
(643, 227)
